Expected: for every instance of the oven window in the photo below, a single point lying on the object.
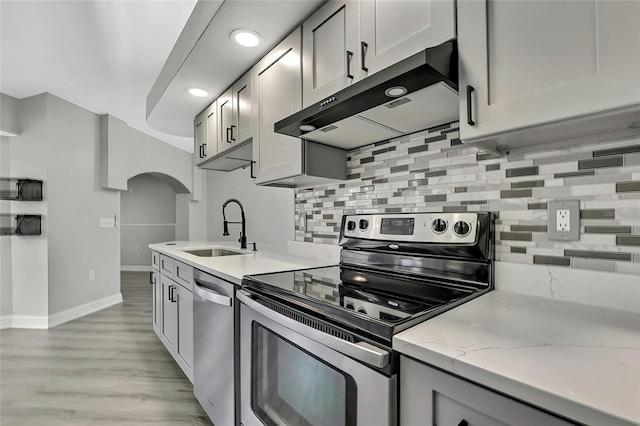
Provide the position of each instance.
(292, 387)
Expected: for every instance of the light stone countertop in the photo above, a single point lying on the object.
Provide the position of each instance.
(233, 268)
(578, 361)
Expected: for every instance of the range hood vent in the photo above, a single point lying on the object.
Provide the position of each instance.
(414, 94)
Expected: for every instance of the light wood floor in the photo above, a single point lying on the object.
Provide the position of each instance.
(108, 368)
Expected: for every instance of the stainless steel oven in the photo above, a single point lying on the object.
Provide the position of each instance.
(293, 374)
(316, 344)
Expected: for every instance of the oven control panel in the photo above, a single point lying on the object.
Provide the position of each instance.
(447, 228)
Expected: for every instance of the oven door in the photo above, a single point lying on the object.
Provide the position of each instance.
(293, 374)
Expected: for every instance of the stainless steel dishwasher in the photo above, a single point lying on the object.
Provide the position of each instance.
(213, 347)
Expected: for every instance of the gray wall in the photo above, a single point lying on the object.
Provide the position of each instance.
(148, 215)
(76, 203)
(268, 210)
(6, 291)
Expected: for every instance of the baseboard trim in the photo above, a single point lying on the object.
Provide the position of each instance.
(28, 321)
(81, 311)
(136, 268)
(5, 321)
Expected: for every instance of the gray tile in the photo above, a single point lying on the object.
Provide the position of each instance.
(383, 180)
(608, 214)
(438, 128)
(454, 209)
(444, 132)
(616, 151)
(435, 173)
(611, 255)
(460, 189)
(474, 202)
(529, 228)
(515, 249)
(537, 206)
(434, 198)
(382, 143)
(607, 230)
(527, 184)
(338, 203)
(522, 171)
(516, 236)
(436, 138)
(574, 174)
(456, 142)
(631, 186)
(628, 240)
(551, 260)
(328, 236)
(327, 216)
(393, 210)
(516, 193)
(600, 163)
(379, 201)
(367, 160)
(353, 176)
(418, 182)
(380, 151)
(593, 264)
(482, 156)
(420, 148)
(491, 167)
(399, 169)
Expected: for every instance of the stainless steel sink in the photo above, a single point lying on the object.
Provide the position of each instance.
(212, 252)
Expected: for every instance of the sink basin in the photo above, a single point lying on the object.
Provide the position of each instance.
(212, 252)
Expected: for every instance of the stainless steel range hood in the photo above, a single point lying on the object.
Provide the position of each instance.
(414, 94)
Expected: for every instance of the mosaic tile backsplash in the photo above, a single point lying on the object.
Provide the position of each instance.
(432, 171)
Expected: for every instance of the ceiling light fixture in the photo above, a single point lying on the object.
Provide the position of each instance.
(199, 93)
(246, 38)
(394, 92)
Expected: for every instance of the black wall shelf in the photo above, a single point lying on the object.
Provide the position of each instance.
(20, 189)
(20, 224)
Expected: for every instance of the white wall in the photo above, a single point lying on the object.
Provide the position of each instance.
(148, 215)
(9, 121)
(6, 291)
(269, 211)
(76, 203)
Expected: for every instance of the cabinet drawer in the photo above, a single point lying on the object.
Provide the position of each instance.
(166, 265)
(155, 260)
(430, 396)
(183, 274)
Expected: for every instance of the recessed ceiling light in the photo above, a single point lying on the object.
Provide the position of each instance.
(245, 38)
(200, 93)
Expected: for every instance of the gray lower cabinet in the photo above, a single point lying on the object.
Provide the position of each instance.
(173, 309)
(432, 397)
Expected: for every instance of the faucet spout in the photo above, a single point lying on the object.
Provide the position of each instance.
(243, 234)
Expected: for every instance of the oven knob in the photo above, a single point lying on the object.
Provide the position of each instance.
(461, 228)
(349, 305)
(362, 311)
(351, 225)
(439, 226)
(363, 224)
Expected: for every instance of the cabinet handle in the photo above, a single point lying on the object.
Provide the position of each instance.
(172, 289)
(202, 154)
(470, 91)
(162, 264)
(151, 278)
(349, 57)
(228, 134)
(232, 132)
(463, 422)
(363, 52)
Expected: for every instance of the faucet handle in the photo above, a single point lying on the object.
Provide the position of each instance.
(254, 246)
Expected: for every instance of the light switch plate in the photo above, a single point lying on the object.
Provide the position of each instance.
(564, 220)
(107, 222)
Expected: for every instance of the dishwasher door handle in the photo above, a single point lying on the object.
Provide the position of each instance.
(212, 296)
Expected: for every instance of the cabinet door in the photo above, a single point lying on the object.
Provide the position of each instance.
(169, 311)
(431, 397)
(200, 137)
(330, 50)
(532, 62)
(185, 324)
(242, 108)
(225, 121)
(212, 131)
(157, 301)
(277, 94)
(394, 30)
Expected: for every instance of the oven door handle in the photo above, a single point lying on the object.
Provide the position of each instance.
(362, 351)
(211, 295)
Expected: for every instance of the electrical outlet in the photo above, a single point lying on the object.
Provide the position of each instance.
(107, 222)
(564, 220)
(92, 275)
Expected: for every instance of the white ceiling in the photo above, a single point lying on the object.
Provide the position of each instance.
(101, 55)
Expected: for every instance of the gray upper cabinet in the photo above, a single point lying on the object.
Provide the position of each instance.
(330, 50)
(205, 134)
(241, 92)
(345, 41)
(393, 30)
(528, 63)
(277, 93)
(225, 121)
(211, 132)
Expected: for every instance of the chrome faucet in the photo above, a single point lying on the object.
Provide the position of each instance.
(243, 234)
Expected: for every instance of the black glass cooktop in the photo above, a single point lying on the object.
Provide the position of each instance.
(359, 297)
